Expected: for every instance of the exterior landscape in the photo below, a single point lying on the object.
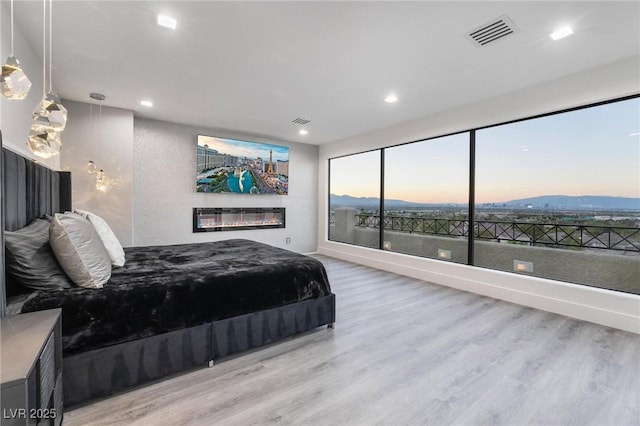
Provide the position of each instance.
(594, 245)
(587, 222)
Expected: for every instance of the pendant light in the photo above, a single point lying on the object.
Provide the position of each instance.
(101, 181)
(50, 112)
(91, 166)
(49, 117)
(101, 177)
(14, 83)
(44, 143)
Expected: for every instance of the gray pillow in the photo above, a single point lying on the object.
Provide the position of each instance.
(79, 250)
(30, 260)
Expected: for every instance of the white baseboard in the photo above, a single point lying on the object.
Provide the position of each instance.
(600, 306)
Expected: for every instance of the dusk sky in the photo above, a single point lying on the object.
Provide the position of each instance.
(593, 151)
(247, 149)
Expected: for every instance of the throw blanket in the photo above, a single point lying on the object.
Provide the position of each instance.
(166, 288)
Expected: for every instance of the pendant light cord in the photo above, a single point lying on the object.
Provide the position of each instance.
(50, 44)
(99, 132)
(92, 126)
(44, 48)
(12, 28)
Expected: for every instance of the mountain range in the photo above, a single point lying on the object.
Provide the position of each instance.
(583, 202)
(553, 202)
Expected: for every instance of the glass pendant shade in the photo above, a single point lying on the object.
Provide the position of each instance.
(91, 167)
(50, 114)
(14, 83)
(44, 143)
(101, 181)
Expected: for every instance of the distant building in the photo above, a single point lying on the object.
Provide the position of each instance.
(282, 168)
(204, 157)
(259, 164)
(223, 160)
(270, 169)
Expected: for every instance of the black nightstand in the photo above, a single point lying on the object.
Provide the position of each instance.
(31, 368)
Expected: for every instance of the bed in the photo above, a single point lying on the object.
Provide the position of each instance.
(169, 308)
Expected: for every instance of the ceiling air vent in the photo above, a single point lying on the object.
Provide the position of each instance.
(300, 121)
(493, 31)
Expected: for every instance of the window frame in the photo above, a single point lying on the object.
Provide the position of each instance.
(472, 169)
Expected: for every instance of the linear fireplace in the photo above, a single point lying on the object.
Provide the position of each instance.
(237, 218)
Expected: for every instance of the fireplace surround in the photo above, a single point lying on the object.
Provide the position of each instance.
(208, 219)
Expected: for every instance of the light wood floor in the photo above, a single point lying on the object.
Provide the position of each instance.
(406, 352)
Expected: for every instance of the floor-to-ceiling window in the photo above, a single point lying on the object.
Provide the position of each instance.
(556, 196)
(426, 198)
(354, 200)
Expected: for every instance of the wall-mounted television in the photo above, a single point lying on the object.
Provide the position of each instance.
(241, 167)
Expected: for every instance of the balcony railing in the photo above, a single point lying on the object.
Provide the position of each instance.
(533, 233)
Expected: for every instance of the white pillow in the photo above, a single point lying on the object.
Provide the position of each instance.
(109, 239)
(79, 250)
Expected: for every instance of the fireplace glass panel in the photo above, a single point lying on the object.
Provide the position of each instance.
(237, 218)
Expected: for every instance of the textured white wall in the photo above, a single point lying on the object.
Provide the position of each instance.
(16, 116)
(164, 181)
(107, 139)
(614, 309)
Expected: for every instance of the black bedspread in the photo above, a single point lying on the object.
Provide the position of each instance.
(165, 288)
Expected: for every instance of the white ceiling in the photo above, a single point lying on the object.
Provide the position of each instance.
(253, 67)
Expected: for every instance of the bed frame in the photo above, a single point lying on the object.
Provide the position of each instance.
(31, 190)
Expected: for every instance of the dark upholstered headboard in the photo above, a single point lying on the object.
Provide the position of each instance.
(28, 191)
(31, 190)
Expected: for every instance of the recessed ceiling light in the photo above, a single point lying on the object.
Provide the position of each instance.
(167, 21)
(146, 103)
(561, 33)
(391, 99)
(634, 134)
(303, 132)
